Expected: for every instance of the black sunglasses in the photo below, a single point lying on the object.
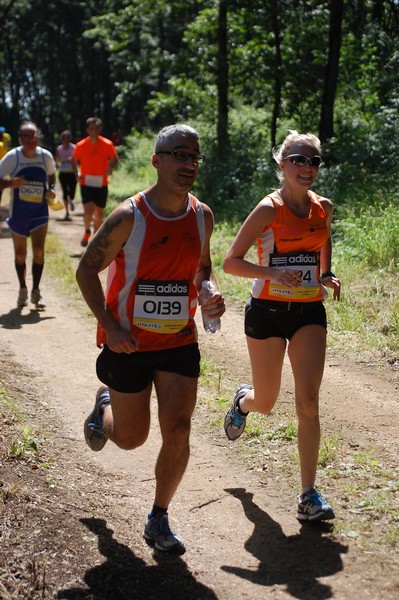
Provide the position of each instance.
(300, 160)
(183, 156)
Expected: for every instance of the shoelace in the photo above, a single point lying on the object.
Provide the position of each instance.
(97, 429)
(315, 498)
(237, 420)
(160, 526)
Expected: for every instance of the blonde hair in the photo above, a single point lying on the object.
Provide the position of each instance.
(294, 137)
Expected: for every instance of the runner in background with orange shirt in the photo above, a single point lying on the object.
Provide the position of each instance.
(96, 157)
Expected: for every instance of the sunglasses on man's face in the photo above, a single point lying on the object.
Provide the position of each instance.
(300, 160)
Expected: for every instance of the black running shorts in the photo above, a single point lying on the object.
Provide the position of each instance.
(93, 194)
(131, 373)
(269, 318)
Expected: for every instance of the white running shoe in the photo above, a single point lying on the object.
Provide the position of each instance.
(37, 300)
(313, 506)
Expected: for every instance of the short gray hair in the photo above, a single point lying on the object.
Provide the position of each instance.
(172, 131)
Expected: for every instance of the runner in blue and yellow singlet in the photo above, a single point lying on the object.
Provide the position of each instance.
(30, 171)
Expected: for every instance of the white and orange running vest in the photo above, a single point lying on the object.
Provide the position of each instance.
(150, 285)
(292, 242)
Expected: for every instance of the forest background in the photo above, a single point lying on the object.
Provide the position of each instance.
(242, 72)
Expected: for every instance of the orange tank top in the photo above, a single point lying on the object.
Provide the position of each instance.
(292, 242)
(150, 285)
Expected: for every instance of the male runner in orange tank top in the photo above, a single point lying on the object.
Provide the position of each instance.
(157, 247)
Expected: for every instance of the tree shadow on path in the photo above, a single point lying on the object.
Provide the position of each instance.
(296, 561)
(125, 576)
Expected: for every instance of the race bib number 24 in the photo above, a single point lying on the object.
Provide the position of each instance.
(307, 263)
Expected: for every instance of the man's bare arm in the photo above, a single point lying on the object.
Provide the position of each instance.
(101, 251)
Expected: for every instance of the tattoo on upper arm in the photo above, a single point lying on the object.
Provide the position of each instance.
(94, 256)
(103, 239)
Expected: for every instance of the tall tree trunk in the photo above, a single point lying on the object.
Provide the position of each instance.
(326, 127)
(222, 79)
(277, 72)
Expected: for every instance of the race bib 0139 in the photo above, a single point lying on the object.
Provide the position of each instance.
(161, 306)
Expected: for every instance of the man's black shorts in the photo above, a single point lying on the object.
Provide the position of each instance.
(131, 373)
(269, 318)
(94, 194)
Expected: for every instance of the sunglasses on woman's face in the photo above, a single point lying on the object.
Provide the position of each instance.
(300, 160)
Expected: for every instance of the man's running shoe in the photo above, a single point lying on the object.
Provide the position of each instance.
(94, 425)
(157, 530)
(22, 297)
(85, 239)
(312, 507)
(71, 205)
(234, 423)
(37, 300)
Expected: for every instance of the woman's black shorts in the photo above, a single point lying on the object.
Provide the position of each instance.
(131, 373)
(269, 318)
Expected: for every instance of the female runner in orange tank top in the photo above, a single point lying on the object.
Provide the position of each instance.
(292, 229)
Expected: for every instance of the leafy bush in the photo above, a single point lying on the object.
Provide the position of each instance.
(233, 181)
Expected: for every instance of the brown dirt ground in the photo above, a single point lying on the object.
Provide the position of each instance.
(71, 520)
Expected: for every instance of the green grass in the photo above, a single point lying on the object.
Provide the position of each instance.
(60, 265)
(7, 405)
(328, 453)
(23, 441)
(25, 445)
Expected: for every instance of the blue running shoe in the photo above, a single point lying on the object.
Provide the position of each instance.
(157, 530)
(313, 507)
(94, 428)
(234, 423)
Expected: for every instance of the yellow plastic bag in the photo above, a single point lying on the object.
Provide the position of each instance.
(54, 203)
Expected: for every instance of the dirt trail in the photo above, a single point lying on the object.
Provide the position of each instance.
(243, 540)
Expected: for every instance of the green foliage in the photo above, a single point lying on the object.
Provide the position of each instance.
(372, 231)
(8, 404)
(328, 452)
(60, 264)
(135, 172)
(286, 432)
(234, 179)
(25, 446)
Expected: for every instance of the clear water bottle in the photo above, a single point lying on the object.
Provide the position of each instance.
(207, 290)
